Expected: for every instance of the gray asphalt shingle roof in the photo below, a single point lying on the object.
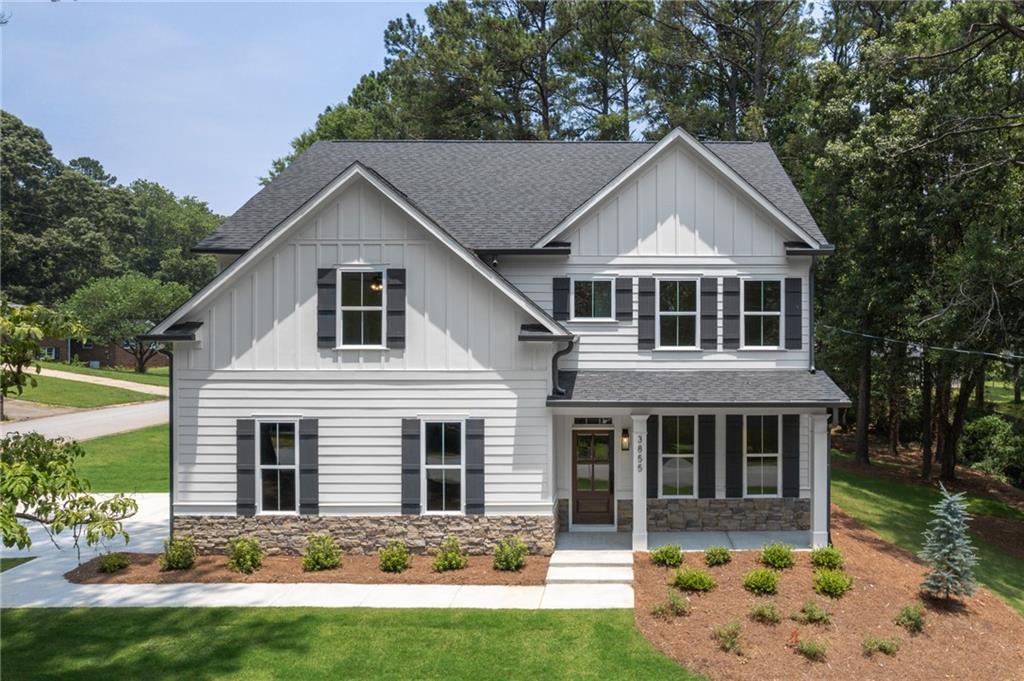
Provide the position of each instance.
(487, 194)
(792, 387)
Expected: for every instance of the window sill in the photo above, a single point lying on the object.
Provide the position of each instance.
(360, 347)
(760, 348)
(442, 513)
(681, 348)
(762, 496)
(277, 513)
(590, 320)
(677, 496)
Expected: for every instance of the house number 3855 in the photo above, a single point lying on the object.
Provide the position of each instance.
(639, 456)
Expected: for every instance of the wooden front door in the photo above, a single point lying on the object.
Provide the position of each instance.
(592, 477)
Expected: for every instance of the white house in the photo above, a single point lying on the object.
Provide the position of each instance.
(413, 339)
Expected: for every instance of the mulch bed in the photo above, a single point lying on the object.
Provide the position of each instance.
(980, 638)
(145, 569)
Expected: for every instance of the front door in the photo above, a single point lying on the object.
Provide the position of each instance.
(592, 473)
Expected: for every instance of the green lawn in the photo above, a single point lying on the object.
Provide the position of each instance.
(899, 511)
(153, 376)
(64, 393)
(8, 563)
(135, 461)
(1001, 393)
(313, 643)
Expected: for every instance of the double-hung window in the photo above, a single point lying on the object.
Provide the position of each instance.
(761, 456)
(592, 299)
(278, 457)
(362, 308)
(678, 445)
(762, 313)
(677, 313)
(443, 444)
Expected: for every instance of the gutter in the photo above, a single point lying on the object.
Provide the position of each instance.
(170, 438)
(810, 314)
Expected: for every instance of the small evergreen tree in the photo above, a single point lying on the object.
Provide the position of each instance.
(948, 548)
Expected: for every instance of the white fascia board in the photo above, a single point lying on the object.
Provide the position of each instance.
(676, 136)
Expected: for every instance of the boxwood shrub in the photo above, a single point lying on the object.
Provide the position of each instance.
(911, 618)
(674, 605)
(717, 555)
(693, 580)
(827, 557)
(245, 554)
(394, 557)
(811, 613)
(761, 581)
(113, 562)
(765, 612)
(669, 555)
(777, 555)
(510, 554)
(179, 553)
(832, 583)
(450, 556)
(322, 553)
(812, 650)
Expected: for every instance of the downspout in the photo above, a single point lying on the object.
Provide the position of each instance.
(170, 437)
(810, 312)
(828, 468)
(557, 389)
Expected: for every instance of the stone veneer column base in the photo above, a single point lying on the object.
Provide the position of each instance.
(477, 534)
(722, 515)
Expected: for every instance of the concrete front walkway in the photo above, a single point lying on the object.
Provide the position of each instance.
(110, 382)
(90, 423)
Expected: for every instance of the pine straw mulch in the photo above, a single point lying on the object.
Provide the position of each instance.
(981, 638)
(145, 569)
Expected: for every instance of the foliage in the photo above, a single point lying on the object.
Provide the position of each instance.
(889, 646)
(322, 553)
(948, 549)
(777, 555)
(510, 554)
(179, 553)
(674, 605)
(39, 483)
(765, 612)
(450, 556)
(811, 613)
(693, 580)
(832, 583)
(990, 445)
(394, 557)
(245, 554)
(669, 555)
(728, 637)
(761, 581)
(113, 562)
(911, 618)
(812, 650)
(827, 557)
(717, 555)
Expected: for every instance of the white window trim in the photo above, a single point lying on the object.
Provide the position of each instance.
(362, 269)
(777, 455)
(49, 352)
(696, 466)
(572, 299)
(260, 467)
(462, 466)
(658, 313)
(743, 314)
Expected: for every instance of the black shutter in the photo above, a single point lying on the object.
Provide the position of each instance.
(653, 458)
(326, 308)
(706, 456)
(411, 467)
(794, 314)
(474, 466)
(624, 299)
(645, 331)
(790, 455)
(733, 455)
(396, 308)
(309, 474)
(730, 313)
(245, 464)
(560, 298)
(709, 313)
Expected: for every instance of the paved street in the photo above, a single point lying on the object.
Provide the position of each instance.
(83, 425)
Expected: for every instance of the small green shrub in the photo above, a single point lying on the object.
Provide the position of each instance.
(693, 580)
(394, 557)
(450, 556)
(761, 581)
(827, 557)
(832, 583)
(245, 554)
(717, 555)
(113, 562)
(812, 650)
(674, 605)
(777, 555)
(510, 554)
(322, 553)
(728, 637)
(811, 613)
(911, 618)
(179, 553)
(669, 555)
(888, 646)
(765, 612)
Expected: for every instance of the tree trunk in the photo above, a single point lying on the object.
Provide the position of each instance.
(956, 428)
(1016, 383)
(863, 404)
(926, 420)
(3, 414)
(942, 392)
(979, 389)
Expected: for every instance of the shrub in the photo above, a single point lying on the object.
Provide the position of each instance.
(669, 555)
(245, 554)
(911, 618)
(889, 646)
(674, 605)
(832, 583)
(394, 557)
(827, 557)
(761, 581)
(693, 580)
(450, 556)
(510, 554)
(179, 553)
(765, 612)
(811, 613)
(812, 650)
(113, 562)
(777, 555)
(728, 637)
(717, 555)
(990, 445)
(322, 553)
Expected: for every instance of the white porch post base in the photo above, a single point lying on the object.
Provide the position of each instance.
(641, 460)
(819, 484)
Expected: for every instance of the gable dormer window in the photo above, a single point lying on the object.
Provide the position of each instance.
(362, 298)
(762, 313)
(592, 299)
(677, 313)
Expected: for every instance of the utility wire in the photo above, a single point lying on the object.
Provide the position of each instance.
(1008, 357)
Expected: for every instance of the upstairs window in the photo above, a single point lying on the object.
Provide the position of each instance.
(592, 299)
(761, 470)
(677, 314)
(362, 309)
(278, 462)
(762, 313)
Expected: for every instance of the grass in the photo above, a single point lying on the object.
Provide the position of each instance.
(1000, 393)
(64, 393)
(135, 461)
(153, 376)
(8, 563)
(305, 643)
(899, 512)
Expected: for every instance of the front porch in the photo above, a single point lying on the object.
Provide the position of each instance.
(690, 541)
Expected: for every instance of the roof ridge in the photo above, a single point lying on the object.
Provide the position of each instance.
(442, 141)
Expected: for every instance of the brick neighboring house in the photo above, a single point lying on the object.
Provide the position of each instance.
(65, 350)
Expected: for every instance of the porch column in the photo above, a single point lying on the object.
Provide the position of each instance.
(641, 461)
(819, 480)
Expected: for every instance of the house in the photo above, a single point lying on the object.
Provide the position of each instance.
(410, 339)
(72, 350)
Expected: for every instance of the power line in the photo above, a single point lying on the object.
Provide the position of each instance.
(1008, 357)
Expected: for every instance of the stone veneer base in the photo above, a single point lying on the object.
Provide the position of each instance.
(722, 515)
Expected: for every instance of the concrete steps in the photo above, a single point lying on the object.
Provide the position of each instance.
(590, 567)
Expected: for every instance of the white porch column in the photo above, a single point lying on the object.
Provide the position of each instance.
(641, 461)
(819, 480)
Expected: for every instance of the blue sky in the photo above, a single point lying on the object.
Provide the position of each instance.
(199, 97)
